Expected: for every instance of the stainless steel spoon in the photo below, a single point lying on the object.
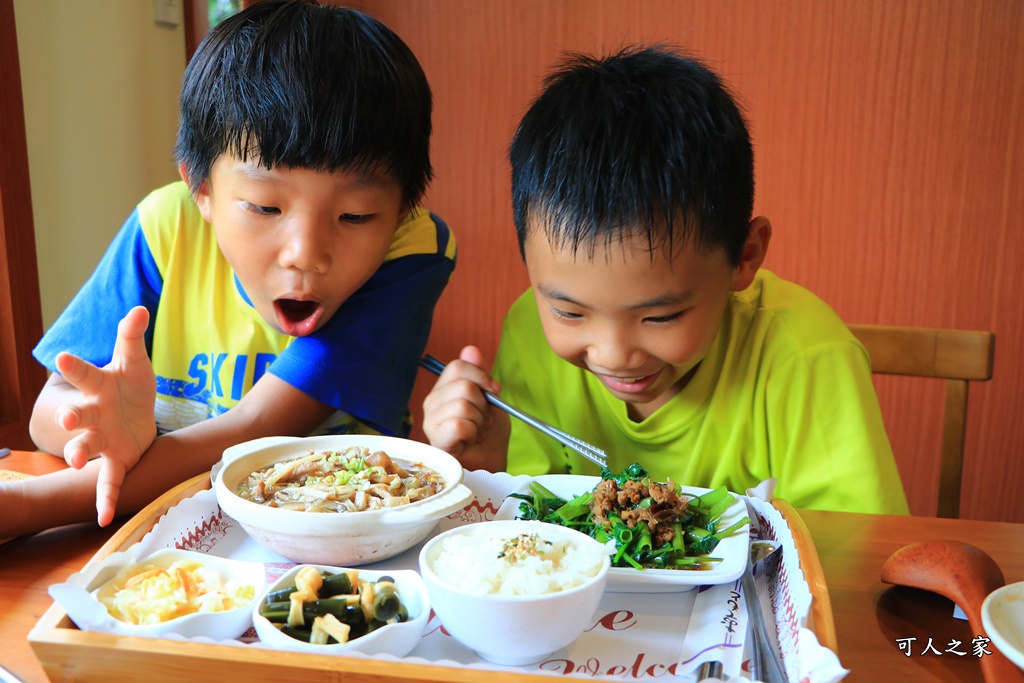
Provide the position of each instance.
(765, 662)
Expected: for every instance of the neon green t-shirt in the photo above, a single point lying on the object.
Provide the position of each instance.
(784, 392)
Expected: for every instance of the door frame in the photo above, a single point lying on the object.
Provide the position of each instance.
(21, 325)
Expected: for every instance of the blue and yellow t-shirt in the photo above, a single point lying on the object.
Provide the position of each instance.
(209, 345)
(785, 391)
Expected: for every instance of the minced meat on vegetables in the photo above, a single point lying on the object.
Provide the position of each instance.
(654, 525)
(665, 506)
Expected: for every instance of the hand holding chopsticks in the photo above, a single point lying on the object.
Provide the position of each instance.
(592, 453)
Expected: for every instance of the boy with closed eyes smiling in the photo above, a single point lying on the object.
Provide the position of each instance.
(650, 329)
(285, 287)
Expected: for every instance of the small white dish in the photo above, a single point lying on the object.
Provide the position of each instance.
(734, 550)
(397, 639)
(83, 604)
(506, 629)
(1002, 615)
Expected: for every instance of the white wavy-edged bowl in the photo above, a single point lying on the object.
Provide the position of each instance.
(397, 639)
(513, 629)
(339, 539)
(216, 625)
(1002, 615)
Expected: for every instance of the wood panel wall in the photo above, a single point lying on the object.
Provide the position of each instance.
(890, 159)
(21, 377)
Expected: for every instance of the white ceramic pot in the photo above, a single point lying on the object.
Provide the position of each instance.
(339, 539)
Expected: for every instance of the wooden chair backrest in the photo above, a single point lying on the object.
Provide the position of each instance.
(957, 356)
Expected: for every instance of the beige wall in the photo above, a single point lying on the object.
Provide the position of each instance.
(100, 81)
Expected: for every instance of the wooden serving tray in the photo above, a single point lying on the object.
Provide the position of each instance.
(68, 653)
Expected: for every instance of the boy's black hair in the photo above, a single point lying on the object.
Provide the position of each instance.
(646, 142)
(304, 85)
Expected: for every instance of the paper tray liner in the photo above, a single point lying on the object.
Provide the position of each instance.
(66, 652)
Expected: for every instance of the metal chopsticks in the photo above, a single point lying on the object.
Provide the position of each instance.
(591, 453)
(765, 661)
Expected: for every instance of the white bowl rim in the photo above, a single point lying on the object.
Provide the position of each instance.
(233, 502)
(1014, 652)
(425, 567)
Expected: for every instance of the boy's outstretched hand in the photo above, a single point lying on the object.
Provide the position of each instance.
(457, 417)
(115, 412)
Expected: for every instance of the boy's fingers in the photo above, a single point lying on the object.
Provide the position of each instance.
(80, 374)
(460, 398)
(108, 487)
(131, 335)
(71, 417)
(472, 354)
(68, 418)
(75, 457)
(475, 357)
(459, 371)
(455, 434)
(81, 449)
(454, 449)
(452, 424)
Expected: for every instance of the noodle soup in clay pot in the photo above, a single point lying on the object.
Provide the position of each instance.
(343, 500)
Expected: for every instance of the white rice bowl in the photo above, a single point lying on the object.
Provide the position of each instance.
(476, 562)
(514, 591)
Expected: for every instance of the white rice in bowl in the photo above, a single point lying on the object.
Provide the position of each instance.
(488, 560)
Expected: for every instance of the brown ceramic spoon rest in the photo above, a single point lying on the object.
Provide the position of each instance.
(961, 572)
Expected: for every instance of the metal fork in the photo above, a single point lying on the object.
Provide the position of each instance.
(591, 453)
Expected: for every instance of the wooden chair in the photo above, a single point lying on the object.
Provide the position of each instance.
(957, 356)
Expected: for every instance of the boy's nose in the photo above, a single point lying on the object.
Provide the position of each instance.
(305, 247)
(614, 353)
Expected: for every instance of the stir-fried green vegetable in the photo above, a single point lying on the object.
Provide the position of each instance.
(654, 526)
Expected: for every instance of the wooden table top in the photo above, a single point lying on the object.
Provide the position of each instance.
(28, 566)
(870, 617)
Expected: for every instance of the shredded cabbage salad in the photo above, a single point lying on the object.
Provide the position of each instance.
(147, 594)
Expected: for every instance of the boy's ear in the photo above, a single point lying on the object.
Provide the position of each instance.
(404, 210)
(201, 196)
(754, 251)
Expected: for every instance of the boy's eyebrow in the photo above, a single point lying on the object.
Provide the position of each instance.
(663, 300)
(552, 293)
(252, 171)
(262, 173)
